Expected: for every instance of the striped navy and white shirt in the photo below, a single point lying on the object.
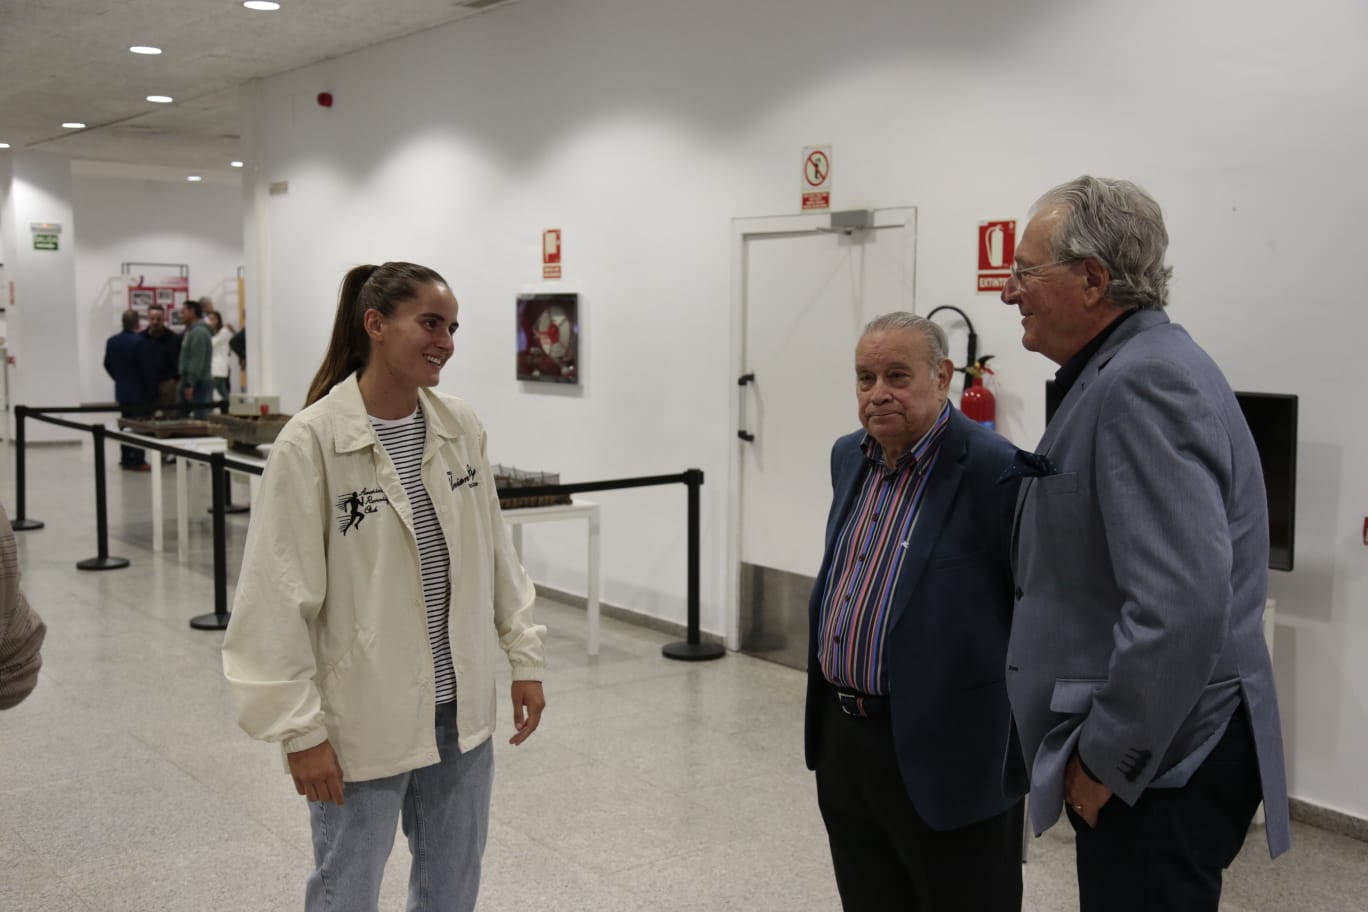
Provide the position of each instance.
(868, 559)
(403, 440)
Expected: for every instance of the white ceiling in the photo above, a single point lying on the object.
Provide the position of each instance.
(64, 60)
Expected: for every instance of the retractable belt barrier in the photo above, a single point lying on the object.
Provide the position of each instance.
(691, 649)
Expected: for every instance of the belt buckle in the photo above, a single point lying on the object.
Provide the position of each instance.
(851, 704)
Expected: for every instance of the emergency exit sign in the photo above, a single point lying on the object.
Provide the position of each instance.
(45, 235)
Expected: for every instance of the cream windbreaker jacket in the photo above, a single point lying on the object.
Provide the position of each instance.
(328, 636)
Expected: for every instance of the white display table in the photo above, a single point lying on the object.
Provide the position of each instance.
(580, 509)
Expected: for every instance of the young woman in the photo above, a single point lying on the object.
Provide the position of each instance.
(377, 583)
(219, 359)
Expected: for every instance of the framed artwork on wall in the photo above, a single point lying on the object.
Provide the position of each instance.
(548, 337)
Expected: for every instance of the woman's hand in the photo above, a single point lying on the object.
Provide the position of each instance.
(528, 703)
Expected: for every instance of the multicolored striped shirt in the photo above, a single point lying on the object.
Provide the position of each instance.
(868, 558)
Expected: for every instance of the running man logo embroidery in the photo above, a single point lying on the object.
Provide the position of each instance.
(355, 506)
(467, 478)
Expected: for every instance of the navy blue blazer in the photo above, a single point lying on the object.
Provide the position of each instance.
(947, 642)
(123, 361)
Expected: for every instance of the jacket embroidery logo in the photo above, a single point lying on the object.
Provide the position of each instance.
(355, 506)
(467, 478)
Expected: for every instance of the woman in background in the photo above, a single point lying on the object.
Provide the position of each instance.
(218, 365)
(377, 576)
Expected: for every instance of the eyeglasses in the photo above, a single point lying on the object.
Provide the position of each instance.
(1019, 273)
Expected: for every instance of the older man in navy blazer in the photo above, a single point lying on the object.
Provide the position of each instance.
(907, 717)
(1139, 678)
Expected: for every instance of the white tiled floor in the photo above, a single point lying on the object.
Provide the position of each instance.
(652, 785)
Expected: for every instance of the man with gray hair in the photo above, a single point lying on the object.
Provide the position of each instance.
(907, 721)
(1140, 684)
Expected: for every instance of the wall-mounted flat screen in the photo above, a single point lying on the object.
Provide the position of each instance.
(1272, 419)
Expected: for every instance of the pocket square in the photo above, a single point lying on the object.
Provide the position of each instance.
(1026, 464)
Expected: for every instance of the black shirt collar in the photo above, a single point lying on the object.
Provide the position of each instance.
(1069, 372)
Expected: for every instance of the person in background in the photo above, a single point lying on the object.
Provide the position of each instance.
(377, 574)
(124, 365)
(221, 336)
(1140, 682)
(907, 721)
(160, 356)
(196, 358)
(238, 346)
(21, 629)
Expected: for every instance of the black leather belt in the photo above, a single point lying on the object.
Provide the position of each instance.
(860, 705)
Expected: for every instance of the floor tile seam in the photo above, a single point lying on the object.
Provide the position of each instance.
(616, 791)
(691, 793)
(638, 805)
(648, 773)
(642, 799)
(631, 680)
(69, 885)
(654, 864)
(578, 761)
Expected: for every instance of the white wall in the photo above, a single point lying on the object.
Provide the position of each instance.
(39, 322)
(146, 216)
(641, 127)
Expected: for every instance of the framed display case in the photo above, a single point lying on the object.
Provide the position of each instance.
(548, 337)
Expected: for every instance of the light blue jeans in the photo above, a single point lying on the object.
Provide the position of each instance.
(445, 813)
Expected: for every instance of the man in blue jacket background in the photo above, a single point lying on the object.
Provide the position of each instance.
(123, 362)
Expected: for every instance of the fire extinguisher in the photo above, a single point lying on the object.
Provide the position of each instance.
(977, 401)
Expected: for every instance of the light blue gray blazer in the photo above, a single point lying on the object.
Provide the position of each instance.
(1141, 567)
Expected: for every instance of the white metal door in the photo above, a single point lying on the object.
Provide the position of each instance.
(803, 292)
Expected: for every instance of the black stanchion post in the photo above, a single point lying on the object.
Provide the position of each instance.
(219, 619)
(102, 561)
(693, 650)
(21, 523)
(228, 505)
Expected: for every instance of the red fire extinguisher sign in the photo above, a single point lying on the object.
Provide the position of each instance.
(551, 253)
(996, 250)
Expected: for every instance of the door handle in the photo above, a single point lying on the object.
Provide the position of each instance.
(743, 381)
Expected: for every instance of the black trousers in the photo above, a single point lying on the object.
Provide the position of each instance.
(885, 856)
(1168, 850)
(130, 456)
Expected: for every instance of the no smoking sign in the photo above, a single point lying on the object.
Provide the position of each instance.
(816, 177)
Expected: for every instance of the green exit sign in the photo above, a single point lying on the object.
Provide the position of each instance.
(44, 241)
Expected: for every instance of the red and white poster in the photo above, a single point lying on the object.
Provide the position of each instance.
(167, 291)
(816, 178)
(551, 253)
(996, 250)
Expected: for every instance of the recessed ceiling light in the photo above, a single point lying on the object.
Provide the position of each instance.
(6, 146)
(144, 49)
(266, 5)
(194, 177)
(160, 99)
(74, 125)
(236, 164)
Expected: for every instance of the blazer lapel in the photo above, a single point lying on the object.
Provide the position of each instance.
(941, 489)
(1137, 324)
